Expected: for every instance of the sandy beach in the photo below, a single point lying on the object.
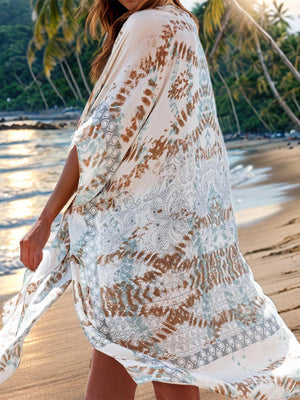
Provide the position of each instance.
(56, 353)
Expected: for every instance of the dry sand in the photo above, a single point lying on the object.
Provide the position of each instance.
(56, 353)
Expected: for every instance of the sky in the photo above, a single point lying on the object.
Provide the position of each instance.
(293, 7)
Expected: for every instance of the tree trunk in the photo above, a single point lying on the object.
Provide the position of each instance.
(271, 83)
(251, 105)
(232, 106)
(57, 92)
(68, 81)
(255, 111)
(88, 89)
(39, 87)
(25, 89)
(73, 79)
(295, 100)
(265, 34)
(220, 33)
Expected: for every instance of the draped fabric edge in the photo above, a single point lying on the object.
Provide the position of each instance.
(40, 289)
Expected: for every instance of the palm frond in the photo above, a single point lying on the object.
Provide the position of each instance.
(55, 51)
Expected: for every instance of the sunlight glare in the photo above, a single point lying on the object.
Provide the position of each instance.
(20, 209)
(21, 179)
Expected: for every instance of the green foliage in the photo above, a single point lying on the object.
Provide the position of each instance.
(212, 17)
(15, 13)
(237, 60)
(55, 50)
(18, 91)
(49, 44)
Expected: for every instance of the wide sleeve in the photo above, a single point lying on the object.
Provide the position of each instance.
(135, 75)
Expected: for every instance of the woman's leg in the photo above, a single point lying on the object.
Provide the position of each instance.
(171, 391)
(108, 379)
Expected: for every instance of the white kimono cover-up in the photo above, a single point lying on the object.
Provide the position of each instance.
(149, 242)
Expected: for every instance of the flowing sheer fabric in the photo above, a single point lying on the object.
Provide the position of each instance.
(149, 242)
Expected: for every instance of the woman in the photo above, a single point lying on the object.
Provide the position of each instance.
(149, 241)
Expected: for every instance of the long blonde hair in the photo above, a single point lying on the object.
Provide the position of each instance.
(109, 16)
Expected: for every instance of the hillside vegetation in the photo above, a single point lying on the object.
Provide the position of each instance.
(255, 80)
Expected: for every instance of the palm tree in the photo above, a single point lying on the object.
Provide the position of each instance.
(219, 49)
(30, 58)
(272, 85)
(59, 95)
(242, 84)
(54, 50)
(65, 62)
(228, 91)
(267, 37)
(212, 19)
(295, 100)
(81, 39)
(279, 17)
(68, 80)
(224, 24)
(56, 30)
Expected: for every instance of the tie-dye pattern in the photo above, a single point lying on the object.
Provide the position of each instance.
(149, 242)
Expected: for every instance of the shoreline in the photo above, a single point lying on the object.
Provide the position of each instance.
(284, 164)
(57, 353)
(10, 283)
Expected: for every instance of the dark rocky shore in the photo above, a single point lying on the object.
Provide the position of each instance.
(47, 119)
(38, 125)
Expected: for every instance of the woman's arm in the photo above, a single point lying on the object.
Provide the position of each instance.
(32, 244)
(66, 186)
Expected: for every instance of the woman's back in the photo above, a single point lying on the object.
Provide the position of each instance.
(161, 236)
(150, 242)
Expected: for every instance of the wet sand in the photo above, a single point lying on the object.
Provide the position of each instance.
(56, 353)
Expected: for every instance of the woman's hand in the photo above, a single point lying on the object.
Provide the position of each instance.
(32, 244)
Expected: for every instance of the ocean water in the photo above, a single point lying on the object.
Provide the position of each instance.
(249, 188)
(31, 162)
